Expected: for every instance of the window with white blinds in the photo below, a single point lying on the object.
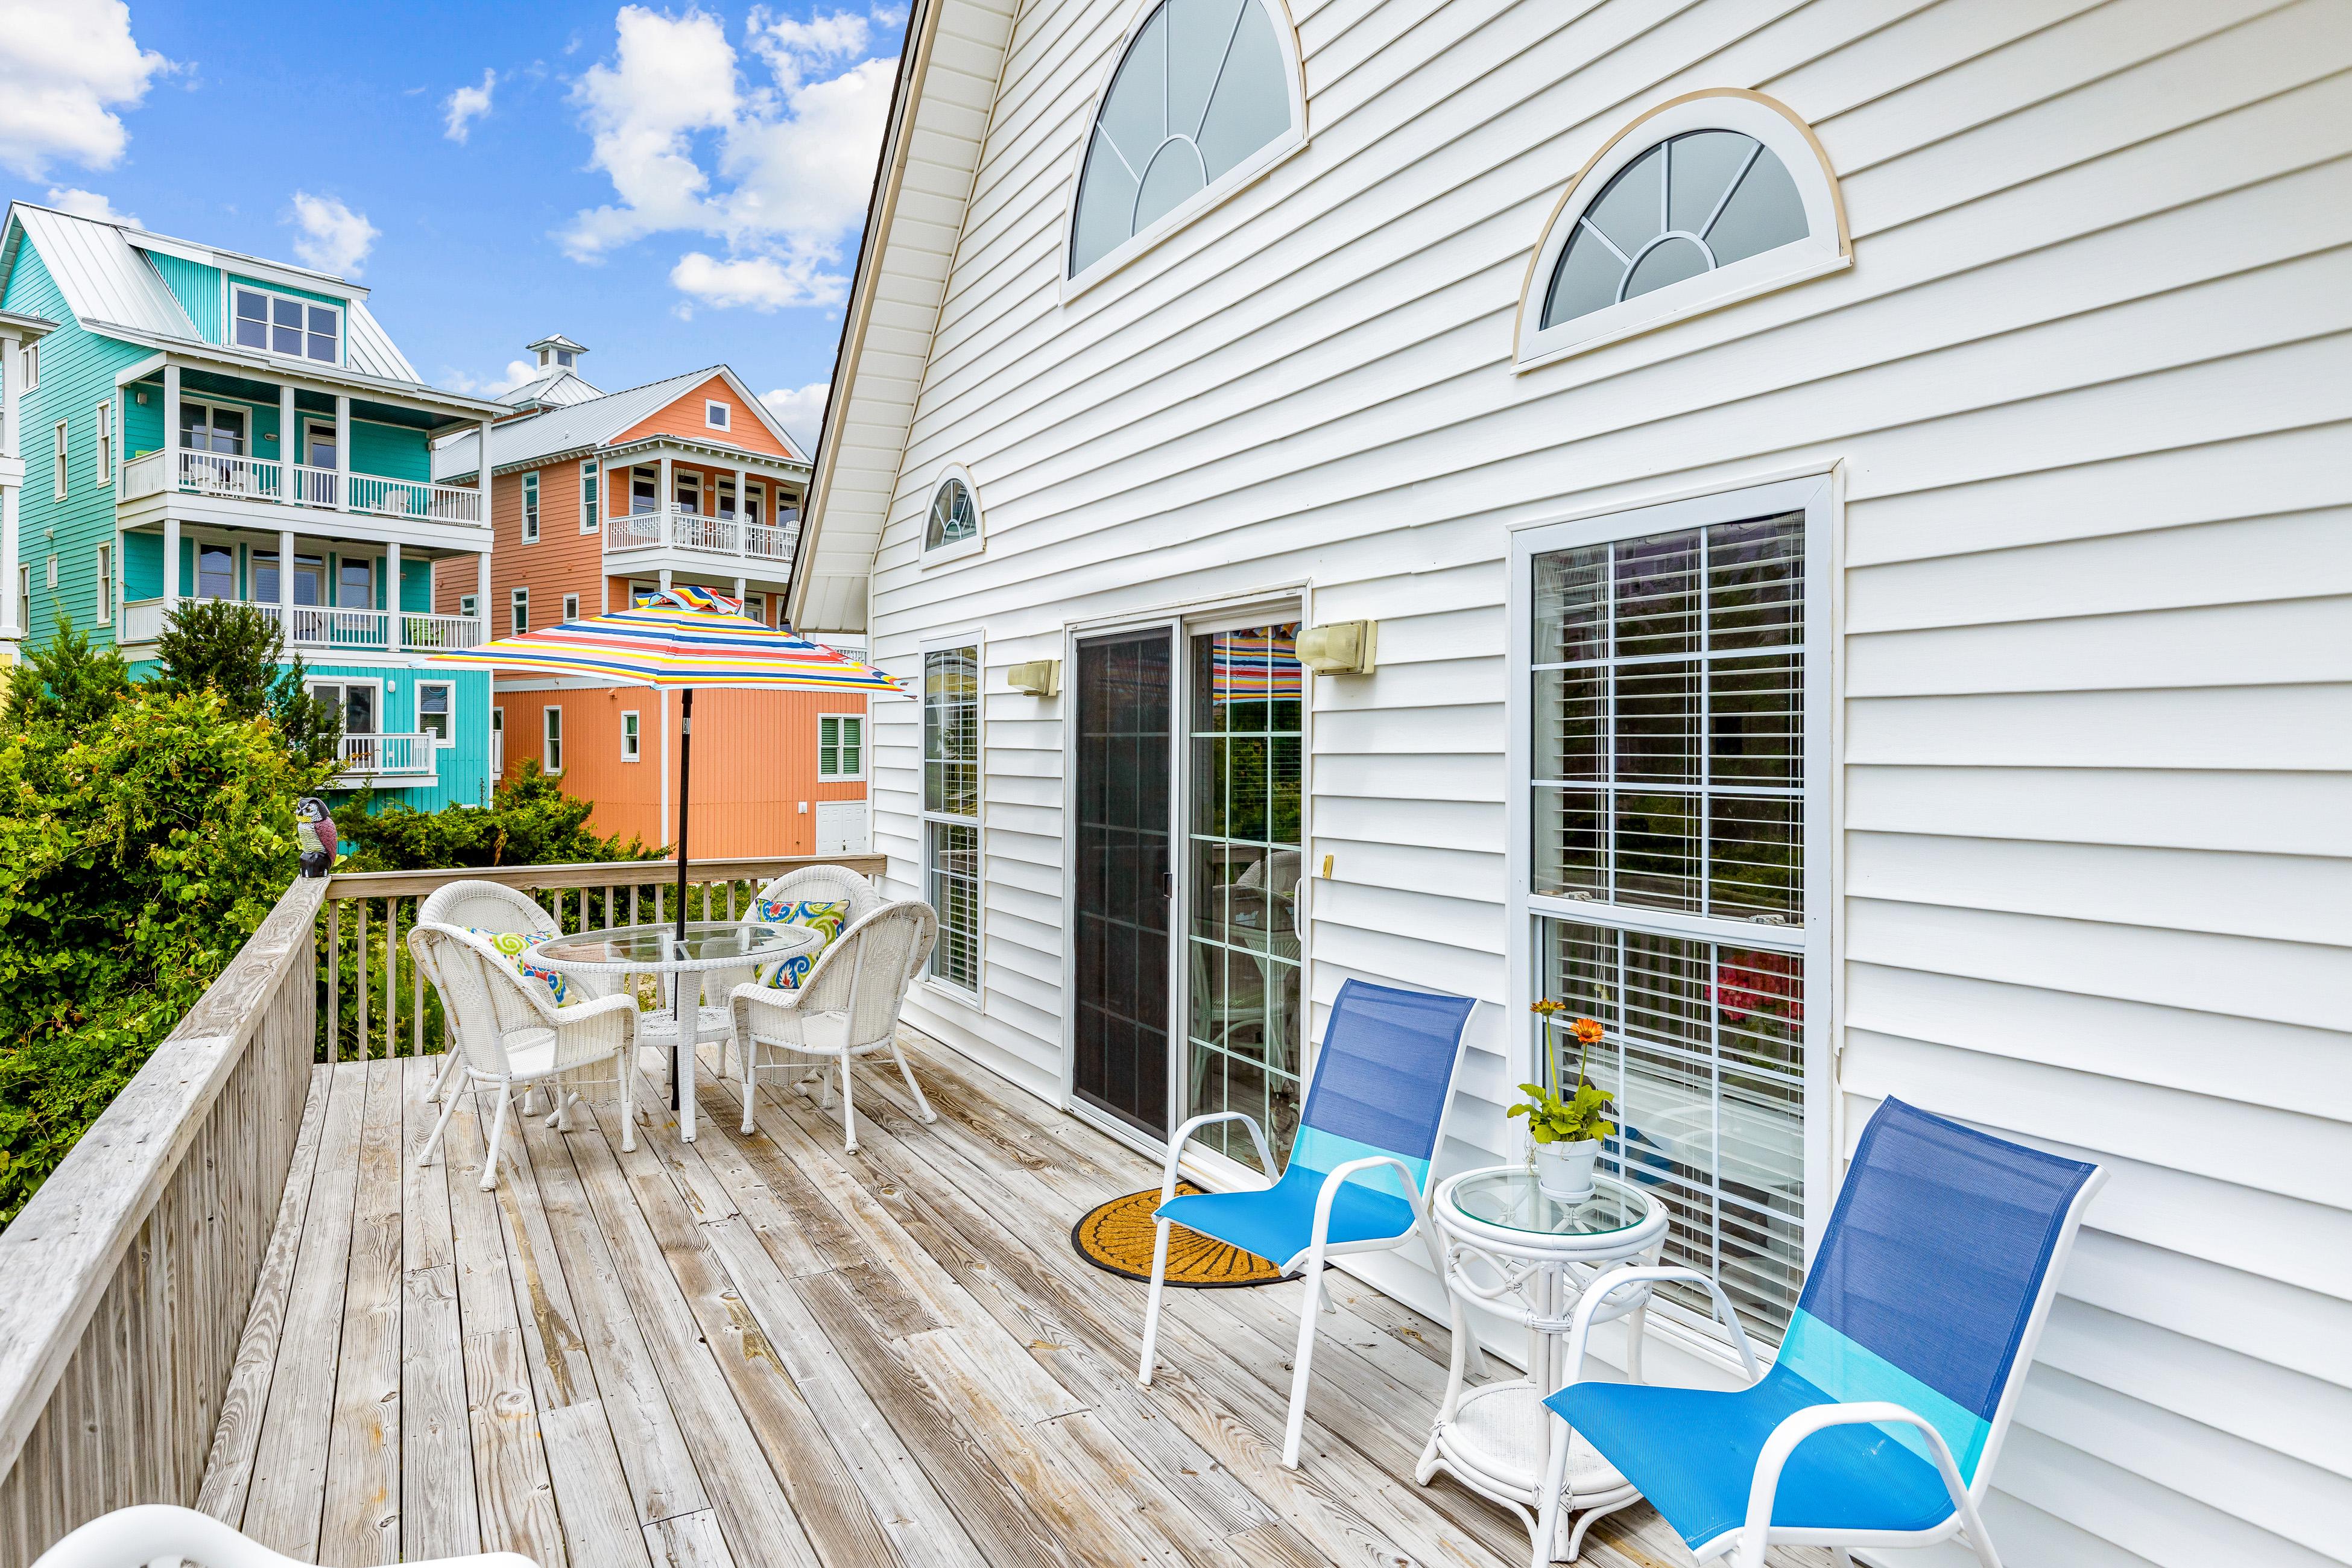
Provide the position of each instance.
(951, 810)
(1674, 806)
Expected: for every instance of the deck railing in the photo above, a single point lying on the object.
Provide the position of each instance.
(326, 627)
(124, 1283)
(369, 914)
(725, 534)
(378, 756)
(227, 475)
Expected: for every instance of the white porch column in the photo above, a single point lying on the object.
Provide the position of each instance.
(170, 431)
(482, 483)
(9, 626)
(482, 592)
(289, 452)
(286, 583)
(391, 593)
(742, 521)
(665, 580)
(342, 452)
(666, 498)
(739, 588)
(171, 561)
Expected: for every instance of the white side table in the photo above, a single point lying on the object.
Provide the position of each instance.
(1529, 1257)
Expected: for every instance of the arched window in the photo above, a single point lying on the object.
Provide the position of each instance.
(953, 526)
(1207, 94)
(1708, 199)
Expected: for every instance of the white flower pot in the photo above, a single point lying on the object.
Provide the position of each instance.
(1564, 1170)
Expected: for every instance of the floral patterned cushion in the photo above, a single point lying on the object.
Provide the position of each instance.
(824, 916)
(517, 948)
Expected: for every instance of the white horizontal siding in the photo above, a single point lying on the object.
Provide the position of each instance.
(2090, 383)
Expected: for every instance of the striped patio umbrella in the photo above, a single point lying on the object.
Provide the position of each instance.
(681, 638)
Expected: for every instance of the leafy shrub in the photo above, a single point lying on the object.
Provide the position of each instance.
(531, 822)
(144, 833)
(236, 650)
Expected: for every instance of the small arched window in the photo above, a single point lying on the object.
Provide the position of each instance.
(1206, 94)
(953, 527)
(1711, 198)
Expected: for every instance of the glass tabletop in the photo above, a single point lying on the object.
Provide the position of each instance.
(708, 942)
(1510, 1199)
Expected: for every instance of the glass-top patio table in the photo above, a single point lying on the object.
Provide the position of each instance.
(714, 957)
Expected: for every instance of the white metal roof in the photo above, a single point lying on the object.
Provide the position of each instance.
(536, 437)
(104, 273)
(556, 389)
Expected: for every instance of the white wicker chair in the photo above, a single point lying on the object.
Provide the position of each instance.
(815, 884)
(475, 905)
(154, 1532)
(848, 1007)
(509, 1033)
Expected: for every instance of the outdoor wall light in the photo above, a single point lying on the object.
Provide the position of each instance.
(1038, 678)
(1342, 648)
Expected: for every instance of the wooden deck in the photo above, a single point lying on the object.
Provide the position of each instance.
(765, 1352)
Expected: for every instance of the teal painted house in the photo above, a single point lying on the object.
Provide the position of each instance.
(183, 422)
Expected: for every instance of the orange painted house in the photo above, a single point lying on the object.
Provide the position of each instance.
(597, 497)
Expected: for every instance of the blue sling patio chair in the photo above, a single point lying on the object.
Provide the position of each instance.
(1880, 1419)
(1358, 1169)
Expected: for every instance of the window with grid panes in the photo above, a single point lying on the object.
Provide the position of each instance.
(1666, 873)
(840, 746)
(951, 810)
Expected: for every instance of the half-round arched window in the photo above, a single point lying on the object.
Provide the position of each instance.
(953, 527)
(1708, 199)
(1206, 94)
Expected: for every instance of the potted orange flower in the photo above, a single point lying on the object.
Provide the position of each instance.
(1567, 1129)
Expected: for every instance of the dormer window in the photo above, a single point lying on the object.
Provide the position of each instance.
(290, 327)
(716, 415)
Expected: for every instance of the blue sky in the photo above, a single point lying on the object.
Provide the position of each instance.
(672, 187)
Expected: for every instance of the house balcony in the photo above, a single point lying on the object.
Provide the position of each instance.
(327, 629)
(257, 481)
(386, 759)
(755, 548)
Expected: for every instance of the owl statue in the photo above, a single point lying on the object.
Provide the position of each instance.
(315, 831)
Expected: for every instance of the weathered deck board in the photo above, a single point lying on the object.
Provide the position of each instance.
(759, 1351)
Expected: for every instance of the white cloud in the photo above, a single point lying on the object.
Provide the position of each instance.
(771, 155)
(800, 411)
(518, 371)
(88, 203)
(466, 105)
(334, 237)
(66, 66)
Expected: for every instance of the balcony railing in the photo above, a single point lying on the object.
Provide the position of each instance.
(379, 756)
(725, 534)
(325, 627)
(222, 476)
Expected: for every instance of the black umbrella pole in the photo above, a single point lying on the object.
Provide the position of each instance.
(690, 1017)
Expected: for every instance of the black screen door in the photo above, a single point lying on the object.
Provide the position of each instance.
(1124, 752)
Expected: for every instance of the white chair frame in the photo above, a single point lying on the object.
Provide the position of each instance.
(814, 884)
(489, 906)
(148, 1532)
(488, 1036)
(1747, 1543)
(842, 984)
(1319, 1249)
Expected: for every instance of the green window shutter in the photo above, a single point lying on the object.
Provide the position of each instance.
(828, 748)
(853, 742)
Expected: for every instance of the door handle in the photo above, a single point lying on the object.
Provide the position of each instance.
(1167, 884)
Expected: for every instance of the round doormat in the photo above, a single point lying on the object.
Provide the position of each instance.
(1119, 1236)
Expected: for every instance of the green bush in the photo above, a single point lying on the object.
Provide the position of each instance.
(144, 833)
(531, 822)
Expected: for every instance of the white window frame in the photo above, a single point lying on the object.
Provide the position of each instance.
(498, 740)
(977, 994)
(751, 506)
(105, 598)
(517, 610)
(24, 599)
(838, 775)
(49, 570)
(1826, 247)
(680, 481)
(571, 606)
(449, 714)
(717, 416)
(954, 550)
(530, 507)
(343, 323)
(342, 685)
(1819, 940)
(1216, 193)
(469, 605)
(102, 453)
(633, 738)
(551, 740)
(592, 496)
(60, 476)
(32, 361)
